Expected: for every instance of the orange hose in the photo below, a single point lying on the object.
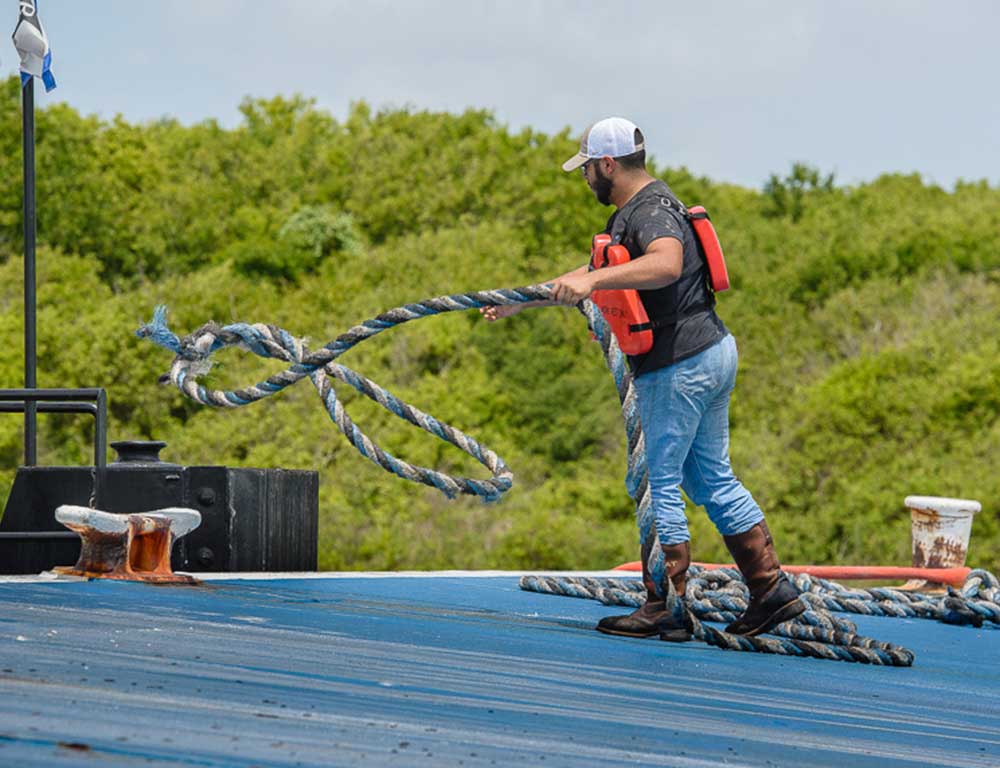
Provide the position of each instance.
(852, 572)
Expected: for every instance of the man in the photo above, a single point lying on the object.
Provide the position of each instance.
(682, 384)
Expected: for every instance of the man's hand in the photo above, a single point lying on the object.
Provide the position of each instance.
(495, 312)
(573, 288)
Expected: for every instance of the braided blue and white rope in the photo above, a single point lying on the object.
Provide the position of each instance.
(711, 595)
(192, 361)
(193, 353)
(719, 595)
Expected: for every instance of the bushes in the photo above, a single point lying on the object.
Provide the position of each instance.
(867, 320)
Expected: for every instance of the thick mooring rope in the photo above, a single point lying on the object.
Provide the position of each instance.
(711, 601)
(193, 353)
(719, 595)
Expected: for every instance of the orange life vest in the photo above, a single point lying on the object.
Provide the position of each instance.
(623, 308)
(711, 248)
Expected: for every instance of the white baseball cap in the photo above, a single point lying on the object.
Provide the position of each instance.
(610, 137)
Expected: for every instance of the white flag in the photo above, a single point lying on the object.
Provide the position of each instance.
(33, 46)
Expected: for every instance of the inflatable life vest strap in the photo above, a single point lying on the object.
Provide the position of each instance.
(709, 247)
(660, 322)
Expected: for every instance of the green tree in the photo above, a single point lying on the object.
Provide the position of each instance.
(866, 317)
(788, 195)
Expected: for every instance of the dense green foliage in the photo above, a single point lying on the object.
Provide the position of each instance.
(868, 320)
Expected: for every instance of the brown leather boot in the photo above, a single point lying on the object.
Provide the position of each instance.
(653, 618)
(675, 626)
(773, 598)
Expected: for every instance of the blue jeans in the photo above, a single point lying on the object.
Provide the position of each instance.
(684, 410)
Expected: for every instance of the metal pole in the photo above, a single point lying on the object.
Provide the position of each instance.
(101, 430)
(30, 382)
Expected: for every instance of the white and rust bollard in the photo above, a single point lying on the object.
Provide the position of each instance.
(941, 529)
(132, 547)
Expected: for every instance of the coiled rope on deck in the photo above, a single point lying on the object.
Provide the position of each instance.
(719, 595)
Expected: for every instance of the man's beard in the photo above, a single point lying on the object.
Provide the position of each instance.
(602, 186)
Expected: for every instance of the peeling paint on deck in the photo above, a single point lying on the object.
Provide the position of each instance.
(451, 670)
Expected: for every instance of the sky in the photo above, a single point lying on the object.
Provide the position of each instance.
(732, 90)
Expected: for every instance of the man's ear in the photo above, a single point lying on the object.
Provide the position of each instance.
(608, 165)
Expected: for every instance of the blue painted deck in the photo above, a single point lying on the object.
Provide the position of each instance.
(452, 670)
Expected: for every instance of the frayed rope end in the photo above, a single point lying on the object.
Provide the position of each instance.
(156, 330)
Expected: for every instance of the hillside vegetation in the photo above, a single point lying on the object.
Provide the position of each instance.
(868, 320)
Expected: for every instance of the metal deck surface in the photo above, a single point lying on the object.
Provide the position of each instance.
(452, 670)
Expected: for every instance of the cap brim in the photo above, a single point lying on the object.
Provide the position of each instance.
(575, 162)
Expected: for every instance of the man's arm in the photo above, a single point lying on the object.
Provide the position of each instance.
(494, 313)
(658, 267)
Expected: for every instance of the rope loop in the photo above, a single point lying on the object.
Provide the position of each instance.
(193, 355)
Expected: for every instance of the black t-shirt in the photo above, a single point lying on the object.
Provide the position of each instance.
(685, 308)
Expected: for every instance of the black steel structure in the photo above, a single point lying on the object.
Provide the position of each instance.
(252, 519)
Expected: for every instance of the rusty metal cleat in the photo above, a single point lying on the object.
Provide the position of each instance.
(132, 547)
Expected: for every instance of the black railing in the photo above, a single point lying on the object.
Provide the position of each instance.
(93, 401)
